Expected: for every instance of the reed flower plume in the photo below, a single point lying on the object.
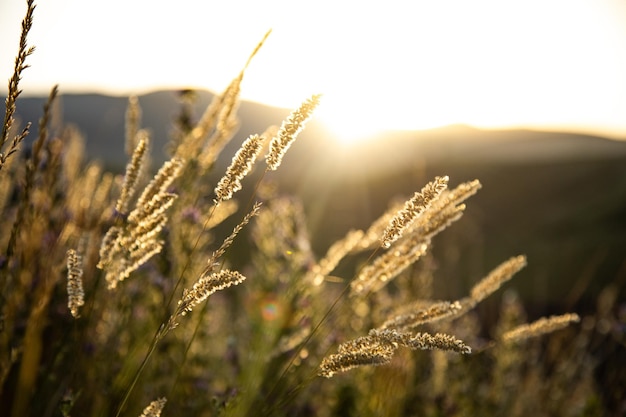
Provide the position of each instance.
(411, 229)
(289, 130)
(410, 320)
(212, 262)
(133, 121)
(540, 327)
(205, 286)
(412, 209)
(423, 341)
(217, 124)
(157, 188)
(408, 317)
(363, 351)
(334, 255)
(75, 293)
(389, 265)
(191, 143)
(225, 119)
(125, 248)
(225, 123)
(378, 347)
(133, 171)
(371, 239)
(155, 408)
(443, 210)
(14, 91)
(501, 274)
(240, 166)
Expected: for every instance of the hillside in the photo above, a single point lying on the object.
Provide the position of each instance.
(558, 197)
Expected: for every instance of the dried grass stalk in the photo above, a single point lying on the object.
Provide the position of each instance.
(434, 222)
(225, 123)
(125, 248)
(211, 263)
(423, 341)
(75, 293)
(14, 91)
(501, 274)
(365, 350)
(542, 326)
(435, 312)
(155, 408)
(289, 130)
(378, 347)
(221, 213)
(169, 171)
(205, 286)
(133, 171)
(377, 228)
(334, 255)
(133, 121)
(387, 266)
(221, 115)
(240, 166)
(412, 209)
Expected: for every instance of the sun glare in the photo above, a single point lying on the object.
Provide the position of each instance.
(404, 65)
(476, 63)
(347, 126)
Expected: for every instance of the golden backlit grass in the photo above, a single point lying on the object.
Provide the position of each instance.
(98, 270)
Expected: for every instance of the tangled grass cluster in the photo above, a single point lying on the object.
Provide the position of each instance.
(114, 291)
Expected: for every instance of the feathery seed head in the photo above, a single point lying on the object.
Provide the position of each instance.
(542, 326)
(169, 171)
(378, 347)
(289, 130)
(423, 341)
(154, 408)
(133, 121)
(432, 313)
(501, 274)
(240, 166)
(75, 293)
(412, 209)
(359, 352)
(207, 285)
(334, 255)
(133, 171)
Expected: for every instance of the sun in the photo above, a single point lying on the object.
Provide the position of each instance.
(404, 65)
(348, 127)
(352, 122)
(475, 64)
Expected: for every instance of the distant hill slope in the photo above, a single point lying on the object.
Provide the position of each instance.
(558, 197)
(101, 119)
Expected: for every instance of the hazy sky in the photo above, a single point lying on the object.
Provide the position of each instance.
(413, 64)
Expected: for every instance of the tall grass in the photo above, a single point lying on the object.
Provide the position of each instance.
(121, 297)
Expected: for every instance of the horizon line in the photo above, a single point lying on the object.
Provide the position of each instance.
(619, 134)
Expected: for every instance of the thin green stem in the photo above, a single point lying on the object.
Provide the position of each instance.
(317, 327)
(157, 337)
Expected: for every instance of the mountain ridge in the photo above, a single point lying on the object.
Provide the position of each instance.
(101, 119)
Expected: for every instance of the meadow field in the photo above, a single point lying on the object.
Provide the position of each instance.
(247, 265)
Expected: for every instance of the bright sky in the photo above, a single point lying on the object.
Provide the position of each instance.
(557, 64)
